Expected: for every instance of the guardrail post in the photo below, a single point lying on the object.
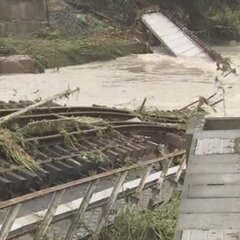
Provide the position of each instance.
(180, 169)
(55, 201)
(136, 197)
(9, 220)
(164, 173)
(81, 210)
(157, 189)
(144, 178)
(110, 203)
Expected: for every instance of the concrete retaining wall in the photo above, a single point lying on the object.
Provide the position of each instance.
(18, 17)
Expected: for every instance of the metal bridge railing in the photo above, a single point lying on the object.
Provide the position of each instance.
(37, 223)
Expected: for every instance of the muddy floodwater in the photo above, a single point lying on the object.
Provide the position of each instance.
(167, 82)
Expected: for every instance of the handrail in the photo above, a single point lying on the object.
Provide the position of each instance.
(41, 193)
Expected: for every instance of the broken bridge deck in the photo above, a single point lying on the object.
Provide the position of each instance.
(175, 40)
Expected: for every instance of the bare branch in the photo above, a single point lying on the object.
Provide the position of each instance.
(11, 116)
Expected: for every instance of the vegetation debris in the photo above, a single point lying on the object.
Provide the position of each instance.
(132, 223)
(11, 148)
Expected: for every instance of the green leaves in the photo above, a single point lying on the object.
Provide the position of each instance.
(132, 223)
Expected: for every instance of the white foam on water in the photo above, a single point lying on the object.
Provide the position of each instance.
(167, 82)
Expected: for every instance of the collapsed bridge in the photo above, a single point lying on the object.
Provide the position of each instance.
(88, 161)
(81, 148)
(176, 38)
(71, 168)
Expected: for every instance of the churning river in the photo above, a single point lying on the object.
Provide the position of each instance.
(167, 82)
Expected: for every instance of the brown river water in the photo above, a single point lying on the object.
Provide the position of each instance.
(167, 82)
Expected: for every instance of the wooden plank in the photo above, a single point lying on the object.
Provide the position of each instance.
(214, 146)
(40, 234)
(218, 191)
(225, 134)
(205, 146)
(35, 105)
(81, 211)
(214, 159)
(219, 234)
(182, 166)
(9, 220)
(144, 178)
(167, 163)
(197, 234)
(213, 168)
(110, 203)
(213, 205)
(214, 179)
(209, 221)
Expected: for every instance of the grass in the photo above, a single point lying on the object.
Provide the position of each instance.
(134, 224)
(44, 127)
(14, 153)
(57, 51)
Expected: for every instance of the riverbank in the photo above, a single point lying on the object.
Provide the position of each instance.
(58, 51)
(82, 33)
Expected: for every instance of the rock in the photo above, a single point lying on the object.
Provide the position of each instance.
(17, 64)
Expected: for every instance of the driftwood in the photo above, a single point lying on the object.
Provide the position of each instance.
(11, 116)
(140, 110)
(197, 101)
(215, 103)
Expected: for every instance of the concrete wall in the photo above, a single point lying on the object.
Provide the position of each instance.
(18, 17)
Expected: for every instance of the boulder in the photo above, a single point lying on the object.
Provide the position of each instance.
(17, 64)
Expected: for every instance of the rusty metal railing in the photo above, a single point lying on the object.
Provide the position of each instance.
(14, 225)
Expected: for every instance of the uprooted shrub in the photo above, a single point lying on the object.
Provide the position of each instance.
(134, 224)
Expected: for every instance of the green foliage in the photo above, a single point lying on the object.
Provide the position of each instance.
(94, 156)
(70, 51)
(134, 224)
(213, 18)
(10, 147)
(7, 49)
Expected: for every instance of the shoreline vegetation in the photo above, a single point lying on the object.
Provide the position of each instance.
(61, 51)
(104, 30)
